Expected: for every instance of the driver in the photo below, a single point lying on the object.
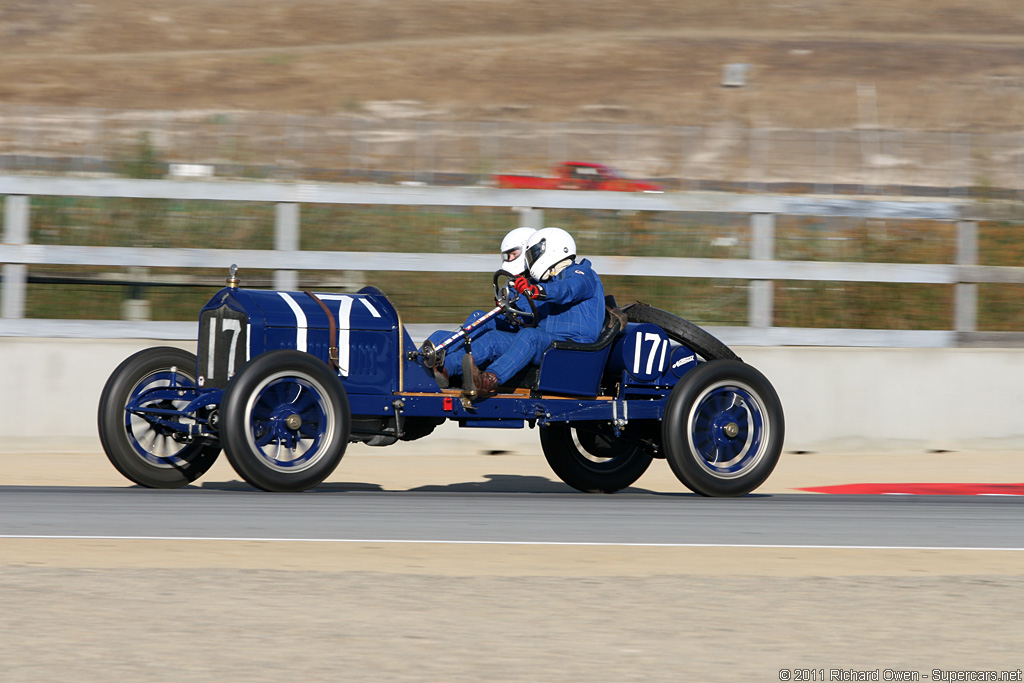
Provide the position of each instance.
(513, 263)
(573, 308)
(513, 250)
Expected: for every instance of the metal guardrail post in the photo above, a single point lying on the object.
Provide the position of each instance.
(286, 238)
(15, 275)
(762, 248)
(965, 298)
(530, 218)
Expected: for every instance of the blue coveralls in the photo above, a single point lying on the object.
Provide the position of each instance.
(573, 309)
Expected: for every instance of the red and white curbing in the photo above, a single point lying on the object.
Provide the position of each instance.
(930, 489)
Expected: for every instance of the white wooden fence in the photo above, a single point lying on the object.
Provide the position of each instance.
(17, 253)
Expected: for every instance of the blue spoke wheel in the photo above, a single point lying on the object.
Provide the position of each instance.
(723, 429)
(285, 421)
(150, 445)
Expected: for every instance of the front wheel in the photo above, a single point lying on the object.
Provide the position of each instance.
(144, 445)
(285, 421)
(590, 458)
(723, 429)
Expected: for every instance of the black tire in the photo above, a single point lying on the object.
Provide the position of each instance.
(681, 330)
(146, 453)
(723, 429)
(261, 445)
(592, 460)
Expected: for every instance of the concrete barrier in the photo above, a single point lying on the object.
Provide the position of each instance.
(836, 399)
(896, 400)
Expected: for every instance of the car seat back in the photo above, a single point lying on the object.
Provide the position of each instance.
(570, 367)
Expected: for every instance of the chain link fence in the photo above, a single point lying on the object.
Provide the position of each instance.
(352, 148)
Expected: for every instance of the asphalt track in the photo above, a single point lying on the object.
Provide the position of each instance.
(333, 514)
(466, 560)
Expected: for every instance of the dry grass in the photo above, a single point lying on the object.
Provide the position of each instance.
(940, 65)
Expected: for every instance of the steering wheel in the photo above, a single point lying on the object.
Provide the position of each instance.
(505, 296)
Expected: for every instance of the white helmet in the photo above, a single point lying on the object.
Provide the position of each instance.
(513, 250)
(546, 249)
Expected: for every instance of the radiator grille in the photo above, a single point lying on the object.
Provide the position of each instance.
(223, 346)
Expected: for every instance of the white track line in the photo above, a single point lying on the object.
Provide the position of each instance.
(525, 543)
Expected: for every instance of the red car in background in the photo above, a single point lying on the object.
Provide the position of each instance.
(577, 175)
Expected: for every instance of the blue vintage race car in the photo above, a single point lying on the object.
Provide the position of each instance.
(283, 381)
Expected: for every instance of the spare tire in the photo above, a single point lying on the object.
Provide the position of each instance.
(681, 330)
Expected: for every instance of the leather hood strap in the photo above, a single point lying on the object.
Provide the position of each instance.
(332, 348)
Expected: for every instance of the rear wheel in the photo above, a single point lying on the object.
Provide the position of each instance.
(285, 421)
(144, 450)
(723, 429)
(591, 459)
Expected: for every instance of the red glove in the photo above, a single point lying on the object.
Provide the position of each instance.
(523, 286)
